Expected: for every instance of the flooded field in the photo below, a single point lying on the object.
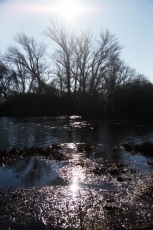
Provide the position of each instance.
(92, 184)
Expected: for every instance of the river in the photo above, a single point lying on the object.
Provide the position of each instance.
(43, 131)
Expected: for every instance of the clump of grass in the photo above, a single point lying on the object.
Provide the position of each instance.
(85, 148)
(52, 152)
(146, 191)
(145, 147)
(111, 168)
(117, 168)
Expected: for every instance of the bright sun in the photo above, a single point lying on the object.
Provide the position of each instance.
(68, 9)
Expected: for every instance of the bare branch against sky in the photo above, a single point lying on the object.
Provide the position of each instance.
(131, 22)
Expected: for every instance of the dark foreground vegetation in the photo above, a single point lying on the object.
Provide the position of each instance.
(85, 76)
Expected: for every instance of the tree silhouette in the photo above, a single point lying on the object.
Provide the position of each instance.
(32, 60)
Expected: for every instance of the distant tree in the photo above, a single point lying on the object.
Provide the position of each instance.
(29, 61)
(117, 76)
(135, 97)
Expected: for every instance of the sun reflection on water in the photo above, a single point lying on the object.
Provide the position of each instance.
(74, 187)
(71, 146)
(77, 176)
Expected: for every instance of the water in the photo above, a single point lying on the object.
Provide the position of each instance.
(30, 172)
(44, 131)
(48, 192)
(106, 135)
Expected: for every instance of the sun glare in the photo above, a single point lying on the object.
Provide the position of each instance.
(74, 188)
(69, 9)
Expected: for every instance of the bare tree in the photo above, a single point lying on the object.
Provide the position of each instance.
(60, 78)
(87, 64)
(8, 80)
(106, 51)
(82, 59)
(62, 37)
(24, 79)
(31, 59)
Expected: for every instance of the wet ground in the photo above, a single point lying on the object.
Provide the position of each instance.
(82, 190)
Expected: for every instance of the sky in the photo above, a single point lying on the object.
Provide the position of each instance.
(131, 21)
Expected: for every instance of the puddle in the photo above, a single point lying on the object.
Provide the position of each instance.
(30, 172)
(104, 186)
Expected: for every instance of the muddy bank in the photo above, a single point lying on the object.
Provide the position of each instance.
(94, 193)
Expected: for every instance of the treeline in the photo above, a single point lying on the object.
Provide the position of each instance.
(85, 76)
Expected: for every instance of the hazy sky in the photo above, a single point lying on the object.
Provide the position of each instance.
(130, 20)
